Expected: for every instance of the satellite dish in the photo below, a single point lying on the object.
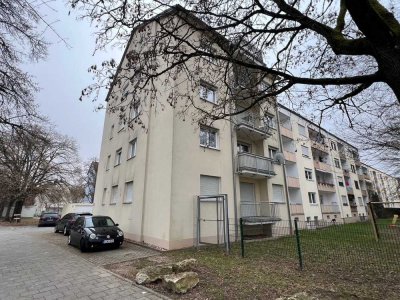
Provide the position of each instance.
(279, 158)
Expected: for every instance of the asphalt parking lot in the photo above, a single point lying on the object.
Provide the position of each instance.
(36, 263)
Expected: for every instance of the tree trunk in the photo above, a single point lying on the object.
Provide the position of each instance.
(7, 216)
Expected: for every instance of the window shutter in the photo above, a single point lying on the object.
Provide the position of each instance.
(129, 192)
(209, 185)
(247, 192)
(277, 193)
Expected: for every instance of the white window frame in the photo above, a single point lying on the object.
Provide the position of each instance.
(270, 120)
(132, 148)
(340, 180)
(114, 194)
(239, 147)
(208, 130)
(121, 123)
(108, 161)
(333, 146)
(126, 200)
(312, 198)
(345, 200)
(208, 93)
(305, 153)
(271, 151)
(337, 163)
(353, 168)
(300, 128)
(308, 173)
(134, 111)
(118, 157)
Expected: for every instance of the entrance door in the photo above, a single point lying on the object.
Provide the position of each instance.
(247, 200)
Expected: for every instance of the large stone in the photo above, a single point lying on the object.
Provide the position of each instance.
(152, 273)
(184, 265)
(181, 282)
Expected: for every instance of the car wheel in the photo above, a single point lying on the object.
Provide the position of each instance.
(83, 245)
(55, 229)
(65, 231)
(69, 240)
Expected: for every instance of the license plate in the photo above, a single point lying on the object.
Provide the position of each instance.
(108, 241)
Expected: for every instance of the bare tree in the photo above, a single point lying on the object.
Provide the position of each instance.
(34, 162)
(332, 54)
(89, 179)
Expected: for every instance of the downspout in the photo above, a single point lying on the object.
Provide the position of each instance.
(284, 170)
(234, 181)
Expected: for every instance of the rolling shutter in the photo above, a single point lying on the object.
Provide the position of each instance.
(209, 185)
(277, 193)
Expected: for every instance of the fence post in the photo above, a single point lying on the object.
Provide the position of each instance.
(296, 229)
(373, 221)
(241, 237)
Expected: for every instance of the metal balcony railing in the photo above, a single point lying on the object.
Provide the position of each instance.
(326, 186)
(255, 164)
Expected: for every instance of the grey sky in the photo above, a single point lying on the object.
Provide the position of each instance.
(63, 75)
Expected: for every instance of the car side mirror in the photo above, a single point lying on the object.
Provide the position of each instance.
(116, 224)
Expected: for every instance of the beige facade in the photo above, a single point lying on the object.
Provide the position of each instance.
(150, 176)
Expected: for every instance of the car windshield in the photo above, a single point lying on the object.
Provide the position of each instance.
(99, 222)
(50, 215)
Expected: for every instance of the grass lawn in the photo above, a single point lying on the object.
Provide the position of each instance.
(340, 262)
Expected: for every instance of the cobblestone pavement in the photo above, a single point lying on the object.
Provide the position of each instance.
(31, 267)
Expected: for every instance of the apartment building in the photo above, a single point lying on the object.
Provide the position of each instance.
(151, 174)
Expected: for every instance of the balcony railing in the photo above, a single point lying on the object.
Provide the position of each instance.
(353, 207)
(286, 132)
(254, 165)
(296, 209)
(322, 166)
(366, 176)
(319, 146)
(330, 208)
(293, 182)
(253, 126)
(342, 155)
(262, 209)
(290, 156)
(361, 176)
(326, 187)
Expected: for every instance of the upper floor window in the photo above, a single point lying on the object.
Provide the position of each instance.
(337, 163)
(333, 146)
(208, 93)
(308, 174)
(118, 155)
(270, 121)
(132, 149)
(340, 181)
(272, 152)
(206, 47)
(128, 197)
(114, 194)
(305, 151)
(135, 111)
(108, 163)
(302, 130)
(243, 147)
(112, 131)
(121, 123)
(353, 168)
(311, 198)
(356, 184)
(345, 202)
(209, 137)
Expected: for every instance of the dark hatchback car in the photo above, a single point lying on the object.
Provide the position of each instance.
(65, 223)
(48, 218)
(90, 232)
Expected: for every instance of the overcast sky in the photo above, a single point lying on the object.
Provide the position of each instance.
(63, 75)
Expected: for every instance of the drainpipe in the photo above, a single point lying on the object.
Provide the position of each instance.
(284, 170)
(234, 181)
(145, 177)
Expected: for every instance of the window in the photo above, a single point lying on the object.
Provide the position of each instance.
(207, 93)
(114, 194)
(308, 174)
(272, 152)
(112, 131)
(353, 169)
(242, 147)
(103, 198)
(132, 149)
(125, 91)
(308, 219)
(206, 47)
(277, 193)
(128, 198)
(333, 146)
(360, 201)
(305, 151)
(311, 198)
(118, 155)
(108, 163)
(340, 181)
(270, 121)
(209, 185)
(345, 202)
(121, 123)
(356, 184)
(302, 130)
(209, 137)
(337, 163)
(135, 111)
(321, 198)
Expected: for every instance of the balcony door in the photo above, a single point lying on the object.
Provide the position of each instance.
(248, 199)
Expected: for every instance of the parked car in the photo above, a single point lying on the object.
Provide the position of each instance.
(48, 218)
(89, 232)
(65, 223)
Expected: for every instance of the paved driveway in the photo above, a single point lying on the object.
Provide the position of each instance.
(36, 264)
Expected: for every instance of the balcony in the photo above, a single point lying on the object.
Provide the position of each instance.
(350, 190)
(296, 209)
(346, 172)
(330, 209)
(286, 132)
(322, 166)
(289, 156)
(326, 187)
(254, 166)
(361, 176)
(252, 126)
(293, 182)
(342, 155)
(353, 207)
(364, 192)
(262, 209)
(367, 177)
(319, 146)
